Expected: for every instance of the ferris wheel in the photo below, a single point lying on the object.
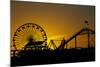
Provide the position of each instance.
(29, 36)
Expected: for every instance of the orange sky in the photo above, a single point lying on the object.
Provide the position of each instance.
(58, 20)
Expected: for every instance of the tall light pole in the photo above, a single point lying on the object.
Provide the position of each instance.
(88, 35)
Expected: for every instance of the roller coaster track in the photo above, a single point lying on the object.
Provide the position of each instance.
(80, 32)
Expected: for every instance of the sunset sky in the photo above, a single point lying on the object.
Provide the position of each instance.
(58, 20)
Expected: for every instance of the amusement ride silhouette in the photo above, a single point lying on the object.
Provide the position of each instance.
(30, 44)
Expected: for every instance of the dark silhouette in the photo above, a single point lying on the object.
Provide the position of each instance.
(43, 55)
